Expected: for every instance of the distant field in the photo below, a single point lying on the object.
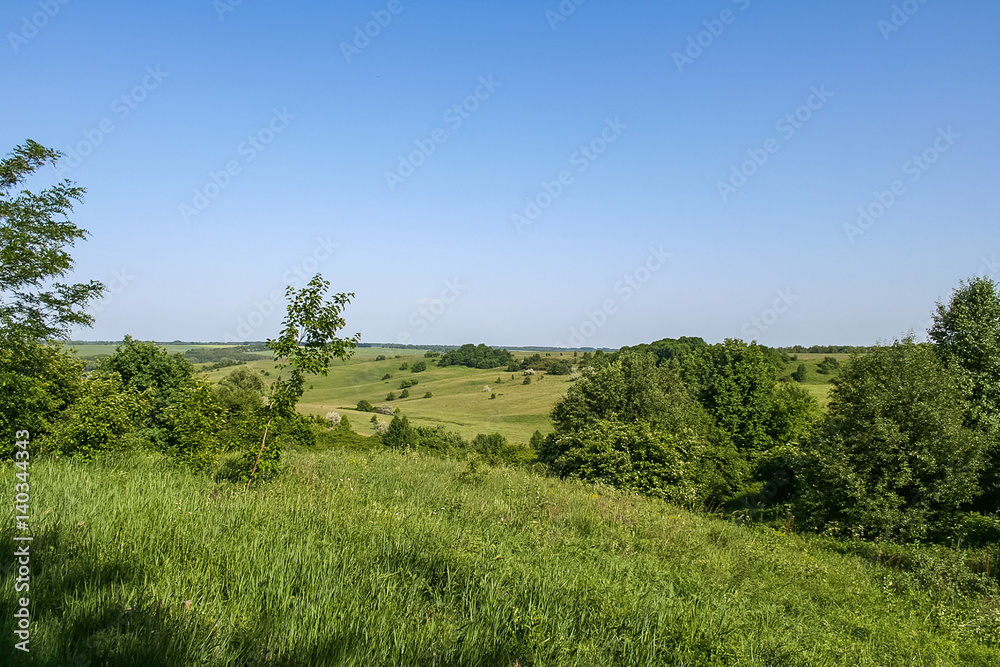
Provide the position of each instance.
(94, 350)
(458, 403)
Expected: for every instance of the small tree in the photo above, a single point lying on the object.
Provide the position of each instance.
(391, 396)
(405, 393)
(800, 373)
(419, 367)
(307, 343)
(365, 405)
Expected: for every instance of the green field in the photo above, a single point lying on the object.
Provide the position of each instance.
(458, 403)
(385, 558)
(98, 350)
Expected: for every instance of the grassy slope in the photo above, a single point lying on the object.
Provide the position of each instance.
(458, 403)
(391, 559)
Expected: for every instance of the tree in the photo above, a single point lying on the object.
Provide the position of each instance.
(419, 367)
(144, 365)
(400, 435)
(307, 343)
(37, 383)
(893, 459)
(800, 373)
(364, 405)
(737, 384)
(34, 231)
(966, 334)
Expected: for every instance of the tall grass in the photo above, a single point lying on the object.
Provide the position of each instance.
(399, 559)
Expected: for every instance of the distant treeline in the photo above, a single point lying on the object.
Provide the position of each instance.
(225, 356)
(825, 349)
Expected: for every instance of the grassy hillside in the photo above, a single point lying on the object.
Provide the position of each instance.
(392, 559)
(459, 402)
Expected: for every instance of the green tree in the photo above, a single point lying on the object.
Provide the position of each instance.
(38, 382)
(737, 384)
(103, 418)
(800, 373)
(893, 458)
(419, 367)
(34, 232)
(365, 405)
(307, 343)
(400, 434)
(405, 393)
(966, 334)
(195, 425)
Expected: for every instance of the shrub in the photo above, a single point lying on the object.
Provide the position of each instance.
(399, 434)
(334, 419)
(893, 458)
(419, 367)
(387, 376)
(380, 357)
(428, 395)
(102, 419)
(800, 373)
(391, 396)
(365, 406)
(527, 379)
(403, 366)
(405, 393)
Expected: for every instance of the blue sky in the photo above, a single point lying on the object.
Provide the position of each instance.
(613, 173)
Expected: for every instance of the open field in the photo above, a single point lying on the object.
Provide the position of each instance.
(94, 350)
(397, 559)
(458, 403)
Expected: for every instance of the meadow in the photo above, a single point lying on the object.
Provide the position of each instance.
(385, 558)
(458, 401)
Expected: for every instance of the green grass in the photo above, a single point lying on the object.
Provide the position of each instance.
(393, 559)
(458, 403)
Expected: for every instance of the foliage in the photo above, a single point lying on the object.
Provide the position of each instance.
(737, 384)
(365, 405)
(665, 350)
(893, 458)
(475, 356)
(428, 395)
(103, 418)
(37, 383)
(400, 435)
(828, 365)
(966, 334)
(419, 367)
(145, 366)
(800, 373)
(34, 231)
(194, 425)
(307, 343)
(391, 396)
(405, 393)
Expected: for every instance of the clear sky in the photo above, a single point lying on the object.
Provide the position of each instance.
(589, 173)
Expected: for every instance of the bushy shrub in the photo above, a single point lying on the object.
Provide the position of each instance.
(105, 417)
(365, 406)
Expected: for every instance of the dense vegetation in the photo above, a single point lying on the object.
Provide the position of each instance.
(476, 356)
